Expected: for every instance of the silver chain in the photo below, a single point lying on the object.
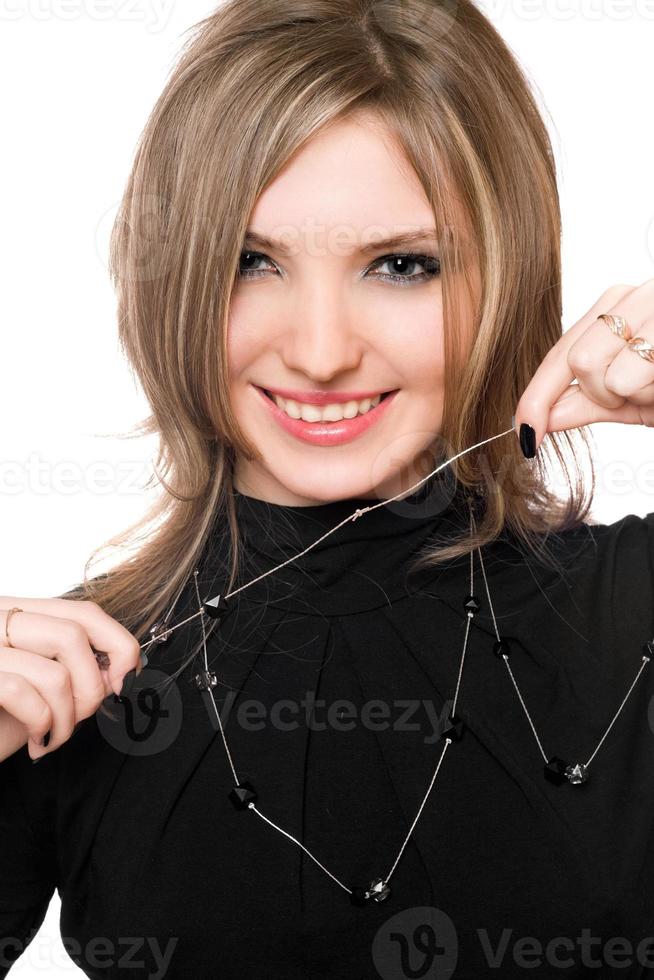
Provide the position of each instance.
(557, 769)
(243, 795)
(159, 635)
(378, 888)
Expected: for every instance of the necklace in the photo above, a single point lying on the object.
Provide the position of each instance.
(244, 796)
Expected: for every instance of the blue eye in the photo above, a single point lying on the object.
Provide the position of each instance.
(249, 256)
(430, 264)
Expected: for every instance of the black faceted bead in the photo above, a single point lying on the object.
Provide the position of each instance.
(577, 773)
(648, 648)
(454, 728)
(500, 648)
(216, 608)
(205, 679)
(159, 633)
(378, 890)
(471, 604)
(241, 796)
(555, 770)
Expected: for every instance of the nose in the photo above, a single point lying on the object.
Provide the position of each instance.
(321, 341)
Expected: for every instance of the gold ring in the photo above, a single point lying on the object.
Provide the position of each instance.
(10, 612)
(642, 347)
(618, 325)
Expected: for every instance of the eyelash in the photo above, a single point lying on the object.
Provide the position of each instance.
(430, 262)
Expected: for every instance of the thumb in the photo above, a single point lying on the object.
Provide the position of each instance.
(574, 409)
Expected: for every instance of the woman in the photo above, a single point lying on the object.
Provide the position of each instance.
(307, 780)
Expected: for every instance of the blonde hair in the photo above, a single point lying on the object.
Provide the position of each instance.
(255, 81)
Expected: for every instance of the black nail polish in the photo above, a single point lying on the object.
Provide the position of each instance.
(527, 440)
(46, 739)
(128, 681)
(37, 760)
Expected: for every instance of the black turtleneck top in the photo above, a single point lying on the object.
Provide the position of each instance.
(335, 677)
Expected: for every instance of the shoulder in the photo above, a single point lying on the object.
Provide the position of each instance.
(593, 601)
(604, 551)
(610, 572)
(619, 555)
(631, 536)
(622, 562)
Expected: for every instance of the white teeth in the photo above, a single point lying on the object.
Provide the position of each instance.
(328, 413)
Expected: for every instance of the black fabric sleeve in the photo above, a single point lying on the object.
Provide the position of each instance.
(625, 599)
(611, 595)
(28, 865)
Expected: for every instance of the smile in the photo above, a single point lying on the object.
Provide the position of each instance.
(327, 425)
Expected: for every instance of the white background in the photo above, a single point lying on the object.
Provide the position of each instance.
(78, 79)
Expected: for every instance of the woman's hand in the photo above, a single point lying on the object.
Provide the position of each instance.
(615, 383)
(49, 676)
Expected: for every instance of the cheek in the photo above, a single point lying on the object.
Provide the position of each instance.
(246, 336)
(413, 342)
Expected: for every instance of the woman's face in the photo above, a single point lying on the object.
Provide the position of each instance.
(316, 315)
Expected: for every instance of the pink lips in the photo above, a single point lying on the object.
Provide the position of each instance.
(328, 433)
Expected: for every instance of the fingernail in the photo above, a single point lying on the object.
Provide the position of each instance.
(513, 421)
(46, 739)
(128, 681)
(527, 440)
(37, 760)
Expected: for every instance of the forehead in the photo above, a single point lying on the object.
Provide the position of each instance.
(351, 178)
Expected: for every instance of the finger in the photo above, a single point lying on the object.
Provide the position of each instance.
(630, 374)
(63, 640)
(644, 398)
(24, 713)
(574, 408)
(590, 358)
(554, 374)
(50, 680)
(604, 363)
(102, 632)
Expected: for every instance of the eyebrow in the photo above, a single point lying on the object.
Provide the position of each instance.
(404, 240)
